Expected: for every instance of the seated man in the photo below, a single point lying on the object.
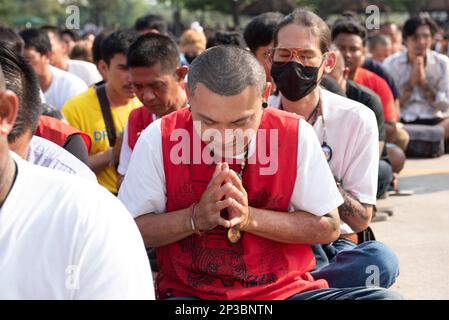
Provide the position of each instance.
(63, 237)
(392, 31)
(422, 75)
(228, 220)
(258, 36)
(116, 98)
(158, 78)
(300, 57)
(57, 85)
(21, 79)
(379, 47)
(349, 37)
(368, 98)
(86, 71)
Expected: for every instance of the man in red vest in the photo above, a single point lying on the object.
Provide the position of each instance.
(231, 194)
(158, 77)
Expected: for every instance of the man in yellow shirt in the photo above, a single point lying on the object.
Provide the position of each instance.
(84, 111)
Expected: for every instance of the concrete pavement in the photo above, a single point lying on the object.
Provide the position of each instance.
(419, 230)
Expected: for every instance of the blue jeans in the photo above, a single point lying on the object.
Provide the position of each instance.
(384, 177)
(345, 265)
(359, 293)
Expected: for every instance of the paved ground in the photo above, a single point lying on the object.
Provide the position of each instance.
(419, 230)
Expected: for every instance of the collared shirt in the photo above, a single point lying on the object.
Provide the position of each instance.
(437, 75)
(355, 151)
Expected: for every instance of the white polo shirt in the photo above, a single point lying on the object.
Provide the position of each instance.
(352, 134)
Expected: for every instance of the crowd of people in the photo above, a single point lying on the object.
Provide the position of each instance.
(238, 165)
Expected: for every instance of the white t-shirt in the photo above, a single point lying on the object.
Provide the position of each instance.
(45, 153)
(125, 152)
(144, 189)
(64, 86)
(352, 134)
(87, 71)
(62, 237)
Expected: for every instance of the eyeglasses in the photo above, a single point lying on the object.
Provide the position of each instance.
(282, 56)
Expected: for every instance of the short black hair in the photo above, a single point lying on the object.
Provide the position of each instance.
(259, 31)
(152, 48)
(233, 38)
(36, 39)
(11, 39)
(117, 42)
(21, 79)
(412, 24)
(53, 29)
(96, 46)
(71, 33)
(151, 21)
(349, 26)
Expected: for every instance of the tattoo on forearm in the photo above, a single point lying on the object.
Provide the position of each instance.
(351, 207)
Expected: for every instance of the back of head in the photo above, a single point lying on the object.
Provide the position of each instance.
(193, 38)
(118, 42)
(36, 39)
(11, 39)
(378, 40)
(20, 78)
(349, 26)
(412, 24)
(310, 20)
(151, 22)
(151, 49)
(232, 38)
(260, 30)
(80, 52)
(226, 71)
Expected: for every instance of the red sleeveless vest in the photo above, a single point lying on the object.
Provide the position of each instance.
(207, 266)
(58, 132)
(138, 120)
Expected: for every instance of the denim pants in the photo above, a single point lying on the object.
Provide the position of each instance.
(347, 265)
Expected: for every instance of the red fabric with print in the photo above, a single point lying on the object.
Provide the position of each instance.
(138, 120)
(206, 266)
(58, 132)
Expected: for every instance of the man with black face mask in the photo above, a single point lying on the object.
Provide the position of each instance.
(349, 137)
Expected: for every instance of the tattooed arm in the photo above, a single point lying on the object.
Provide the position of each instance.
(356, 214)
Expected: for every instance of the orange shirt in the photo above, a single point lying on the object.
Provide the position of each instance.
(381, 88)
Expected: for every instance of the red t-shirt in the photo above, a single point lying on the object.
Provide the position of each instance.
(381, 88)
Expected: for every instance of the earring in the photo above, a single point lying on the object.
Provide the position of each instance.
(264, 105)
